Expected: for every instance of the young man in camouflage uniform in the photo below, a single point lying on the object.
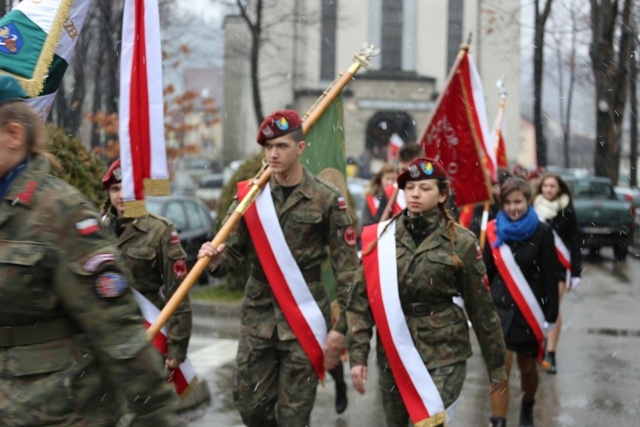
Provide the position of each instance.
(69, 326)
(276, 382)
(151, 248)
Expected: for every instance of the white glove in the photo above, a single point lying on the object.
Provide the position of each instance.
(575, 281)
(547, 327)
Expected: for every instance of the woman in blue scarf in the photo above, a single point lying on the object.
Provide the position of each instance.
(531, 242)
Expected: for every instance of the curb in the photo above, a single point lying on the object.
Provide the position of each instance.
(202, 308)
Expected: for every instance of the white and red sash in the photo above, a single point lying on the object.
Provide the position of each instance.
(564, 256)
(373, 203)
(518, 286)
(184, 377)
(418, 391)
(400, 202)
(288, 285)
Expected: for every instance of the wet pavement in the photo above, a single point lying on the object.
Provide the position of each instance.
(597, 382)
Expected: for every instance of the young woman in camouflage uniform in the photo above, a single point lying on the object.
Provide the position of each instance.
(70, 329)
(436, 261)
(151, 248)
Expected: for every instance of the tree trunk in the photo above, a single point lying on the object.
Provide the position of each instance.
(256, 33)
(538, 62)
(633, 101)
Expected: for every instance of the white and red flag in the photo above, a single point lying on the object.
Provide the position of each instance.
(457, 133)
(184, 376)
(142, 145)
(395, 143)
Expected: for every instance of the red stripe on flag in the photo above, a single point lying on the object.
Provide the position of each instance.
(296, 320)
(410, 396)
(139, 130)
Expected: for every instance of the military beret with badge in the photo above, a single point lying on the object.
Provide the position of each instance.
(421, 169)
(277, 124)
(10, 90)
(113, 175)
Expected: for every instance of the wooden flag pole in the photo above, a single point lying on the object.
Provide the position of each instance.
(310, 118)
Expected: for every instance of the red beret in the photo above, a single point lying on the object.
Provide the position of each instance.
(113, 175)
(279, 123)
(421, 169)
(536, 173)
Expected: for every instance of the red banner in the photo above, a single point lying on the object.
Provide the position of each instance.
(456, 133)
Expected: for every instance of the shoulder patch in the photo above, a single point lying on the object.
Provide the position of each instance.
(111, 285)
(92, 263)
(479, 253)
(87, 226)
(342, 205)
(175, 239)
(350, 236)
(180, 268)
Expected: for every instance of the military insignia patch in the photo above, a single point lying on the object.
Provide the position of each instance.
(342, 205)
(427, 168)
(180, 268)
(350, 236)
(175, 239)
(485, 281)
(479, 254)
(10, 39)
(92, 264)
(268, 133)
(87, 226)
(414, 172)
(282, 123)
(111, 285)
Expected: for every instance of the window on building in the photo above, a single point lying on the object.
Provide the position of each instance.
(328, 43)
(454, 36)
(392, 27)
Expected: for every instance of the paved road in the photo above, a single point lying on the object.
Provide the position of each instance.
(597, 383)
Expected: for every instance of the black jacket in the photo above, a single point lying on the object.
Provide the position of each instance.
(566, 225)
(537, 259)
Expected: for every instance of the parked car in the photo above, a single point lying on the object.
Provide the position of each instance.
(603, 218)
(632, 195)
(191, 218)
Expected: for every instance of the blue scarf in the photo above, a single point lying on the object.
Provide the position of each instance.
(518, 230)
(7, 180)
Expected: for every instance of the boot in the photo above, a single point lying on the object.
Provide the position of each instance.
(497, 422)
(551, 358)
(526, 414)
(337, 374)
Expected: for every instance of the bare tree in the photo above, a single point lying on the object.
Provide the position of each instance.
(541, 17)
(610, 51)
(255, 28)
(633, 101)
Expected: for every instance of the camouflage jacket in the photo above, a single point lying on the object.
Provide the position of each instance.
(70, 329)
(152, 251)
(313, 219)
(426, 275)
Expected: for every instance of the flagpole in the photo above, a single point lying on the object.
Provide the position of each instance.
(310, 118)
(496, 142)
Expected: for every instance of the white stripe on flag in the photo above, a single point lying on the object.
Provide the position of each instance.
(126, 63)
(481, 110)
(77, 17)
(290, 270)
(41, 13)
(422, 381)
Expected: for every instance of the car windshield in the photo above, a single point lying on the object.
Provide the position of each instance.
(592, 190)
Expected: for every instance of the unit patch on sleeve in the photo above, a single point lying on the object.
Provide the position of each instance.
(180, 268)
(350, 236)
(342, 205)
(87, 226)
(111, 285)
(92, 264)
(175, 239)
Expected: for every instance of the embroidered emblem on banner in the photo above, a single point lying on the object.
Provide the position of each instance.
(111, 285)
(87, 226)
(10, 39)
(350, 236)
(180, 268)
(92, 264)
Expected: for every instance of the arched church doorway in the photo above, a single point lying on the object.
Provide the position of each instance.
(382, 126)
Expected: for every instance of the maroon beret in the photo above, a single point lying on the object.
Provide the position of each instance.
(279, 123)
(113, 175)
(421, 169)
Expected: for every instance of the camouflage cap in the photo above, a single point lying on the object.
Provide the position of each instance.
(10, 90)
(113, 175)
(420, 169)
(279, 123)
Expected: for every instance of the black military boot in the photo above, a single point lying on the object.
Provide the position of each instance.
(337, 374)
(497, 422)
(526, 414)
(551, 358)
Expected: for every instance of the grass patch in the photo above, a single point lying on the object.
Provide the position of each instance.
(216, 294)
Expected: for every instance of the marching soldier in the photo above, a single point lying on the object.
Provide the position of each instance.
(69, 326)
(418, 262)
(151, 249)
(288, 231)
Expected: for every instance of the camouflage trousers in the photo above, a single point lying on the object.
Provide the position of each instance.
(275, 384)
(448, 381)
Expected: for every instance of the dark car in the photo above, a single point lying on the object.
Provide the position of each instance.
(191, 218)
